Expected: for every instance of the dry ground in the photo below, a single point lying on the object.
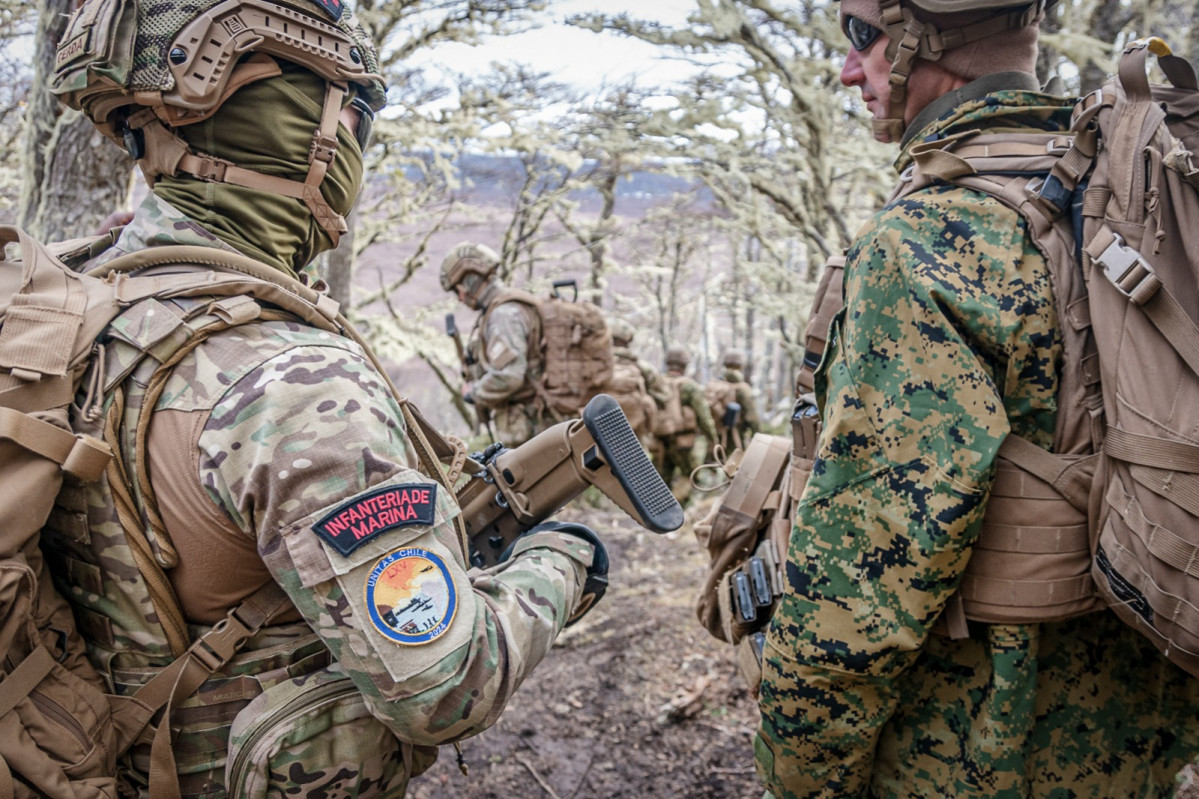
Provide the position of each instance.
(636, 700)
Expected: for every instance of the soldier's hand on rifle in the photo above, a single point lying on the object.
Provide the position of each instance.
(597, 573)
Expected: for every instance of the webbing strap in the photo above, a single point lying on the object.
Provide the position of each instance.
(1027, 593)
(1181, 489)
(1028, 539)
(80, 455)
(1068, 480)
(24, 678)
(1161, 453)
(431, 466)
(1165, 545)
(1129, 569)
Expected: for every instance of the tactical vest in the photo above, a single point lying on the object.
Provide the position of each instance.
(530, 304)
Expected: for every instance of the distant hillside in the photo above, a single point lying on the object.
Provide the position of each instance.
(496, 179)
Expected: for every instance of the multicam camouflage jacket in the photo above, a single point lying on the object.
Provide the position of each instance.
(503, 341)
(655, 382)
(949, 340)
(276, 452)
(697, 417)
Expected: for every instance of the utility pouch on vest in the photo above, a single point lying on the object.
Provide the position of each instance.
(318, 718)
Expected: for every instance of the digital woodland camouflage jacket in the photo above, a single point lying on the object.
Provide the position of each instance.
(277, 452)
(949, 339)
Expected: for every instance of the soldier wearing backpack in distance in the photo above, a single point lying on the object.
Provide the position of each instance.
(505, 344)
(686, 415)
(730, 398)
(276, 473)
(636, 378)
(877, 680)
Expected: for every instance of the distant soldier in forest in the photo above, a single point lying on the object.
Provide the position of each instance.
(504, 344)
(640, 388)
(730, 399)
(686, 414)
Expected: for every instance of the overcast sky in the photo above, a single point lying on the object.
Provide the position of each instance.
(574, 56)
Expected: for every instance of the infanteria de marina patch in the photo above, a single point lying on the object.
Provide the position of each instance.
(410, 596)
(352, 524)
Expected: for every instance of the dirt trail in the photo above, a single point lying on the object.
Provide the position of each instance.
(637, 700)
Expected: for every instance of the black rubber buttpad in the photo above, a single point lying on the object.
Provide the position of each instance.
(620, 449)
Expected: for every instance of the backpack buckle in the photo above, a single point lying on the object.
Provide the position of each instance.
(1128, 271)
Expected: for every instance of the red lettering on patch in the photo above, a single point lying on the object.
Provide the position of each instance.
(368, 515)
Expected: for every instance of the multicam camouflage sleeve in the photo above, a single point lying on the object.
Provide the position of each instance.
(691, 394)
(949, 331)
(506, 340)
(306, 451)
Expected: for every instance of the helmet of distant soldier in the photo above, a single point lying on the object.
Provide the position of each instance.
(733, 359)
(140, 71)
(622, 332)
(468, 258)
(678, 357)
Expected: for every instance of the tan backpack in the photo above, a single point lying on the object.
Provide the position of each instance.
(627, 387)
(60, 732)
(673, 419)
(574, 348)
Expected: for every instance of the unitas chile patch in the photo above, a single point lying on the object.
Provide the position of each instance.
(355, 522)
(410, 596)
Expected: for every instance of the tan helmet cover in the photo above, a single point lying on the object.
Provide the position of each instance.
(733, 359)
(678, 356)
(622, 332)
(467, 258)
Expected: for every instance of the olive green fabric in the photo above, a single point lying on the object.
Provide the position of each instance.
(267, 127)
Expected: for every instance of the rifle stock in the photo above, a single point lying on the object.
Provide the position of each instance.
(519, 488)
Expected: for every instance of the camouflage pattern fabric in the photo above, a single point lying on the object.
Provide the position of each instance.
(655, 382)
(506, 385)
(949, 339)
(748, 422)
(296, 447)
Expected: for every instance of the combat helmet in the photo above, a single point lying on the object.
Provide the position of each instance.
(677, 357)
(622, 332)
(138, 70)
(733, 359)
(968, 37)
(468, 258)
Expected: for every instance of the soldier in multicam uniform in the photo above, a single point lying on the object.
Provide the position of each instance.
(504, 344)
(731, 386)
(277, 454)
(949, 339)
(677, 457)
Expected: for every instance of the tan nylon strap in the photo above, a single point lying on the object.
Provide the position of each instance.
(1175, 324)
(1165, 545)
(1057, 472)
(49, 392)
(952, 621)
(1033, 540)
(1126, 564)
(83, 456)
(7, 791)
(1027, 593)
(427, 456)
(24, 678)
(1161, 453)
(1181, 489)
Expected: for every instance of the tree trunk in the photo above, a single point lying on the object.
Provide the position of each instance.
(72, 177)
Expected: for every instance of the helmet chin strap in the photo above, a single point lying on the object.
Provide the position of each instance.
(167, 154)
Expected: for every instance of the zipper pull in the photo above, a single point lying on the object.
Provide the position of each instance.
(461, 760)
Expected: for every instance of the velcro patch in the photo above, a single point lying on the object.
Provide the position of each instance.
(352, 524)
(410, 596)
(334, 7)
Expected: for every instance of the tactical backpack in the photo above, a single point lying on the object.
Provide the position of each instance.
(720, 394)
(62, 728)
(573, 349)
(673, 419)
(627, 387)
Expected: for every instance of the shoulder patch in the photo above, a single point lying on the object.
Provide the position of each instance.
(410, 596)
(355, 522)
(334, 7)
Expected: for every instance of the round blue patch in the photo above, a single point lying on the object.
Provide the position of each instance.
(410, 596)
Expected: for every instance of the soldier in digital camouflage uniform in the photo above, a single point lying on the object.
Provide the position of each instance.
(277, 454)
(505, 343)
(731, 384)
(677, 454)
(949, 340)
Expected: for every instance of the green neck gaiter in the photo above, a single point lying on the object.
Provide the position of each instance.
(267, 127)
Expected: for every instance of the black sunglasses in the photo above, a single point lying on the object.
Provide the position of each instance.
(861, 34)
(366, 119)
